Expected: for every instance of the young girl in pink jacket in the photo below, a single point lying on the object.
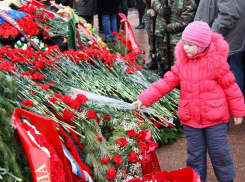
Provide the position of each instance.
(208, 94)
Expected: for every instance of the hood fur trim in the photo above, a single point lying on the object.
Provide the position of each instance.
(213, 57)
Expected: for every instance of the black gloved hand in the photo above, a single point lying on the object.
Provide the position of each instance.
(166, 10)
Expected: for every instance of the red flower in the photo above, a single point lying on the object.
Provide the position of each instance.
(106, 117)
(68, 115)
(74, 104)
(114, 33)
(46, 87)
(117, 159)
(98, 137)
(111, 173)
(51, 83)
(67, 100)
(105, 160)
(38, 77)
(138, 67)
(28, 103)
(81, 99)
(58, 95)
(130, 70)
(122, 142)
(132, 133)
(133, 157)
(91, 114)
(119, 35)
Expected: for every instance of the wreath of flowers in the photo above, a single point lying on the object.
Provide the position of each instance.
(7, 31)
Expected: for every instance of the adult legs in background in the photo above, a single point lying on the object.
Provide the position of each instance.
(141, 23)
(88, 18)
(219, 152)
(109, 26)
(100, 23)
(235, 62)
(196, 150)
(113, 18)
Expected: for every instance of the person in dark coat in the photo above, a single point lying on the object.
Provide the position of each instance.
(86, 9)
(109, 10)
(140, 5)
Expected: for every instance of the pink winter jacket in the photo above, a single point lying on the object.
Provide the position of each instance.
(207, 87)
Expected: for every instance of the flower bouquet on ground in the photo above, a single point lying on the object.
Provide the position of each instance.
(9, 33)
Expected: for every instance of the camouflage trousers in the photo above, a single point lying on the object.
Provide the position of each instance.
(161, 51)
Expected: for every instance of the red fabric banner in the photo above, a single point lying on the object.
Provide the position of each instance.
(39, 160)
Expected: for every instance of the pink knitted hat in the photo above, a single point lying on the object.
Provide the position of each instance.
(199, 33)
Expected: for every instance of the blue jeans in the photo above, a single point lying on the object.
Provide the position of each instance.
(235, 62)
(109, 26)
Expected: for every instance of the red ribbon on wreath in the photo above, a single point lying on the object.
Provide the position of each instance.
(129, 33)
(149, 162)
(39, 160)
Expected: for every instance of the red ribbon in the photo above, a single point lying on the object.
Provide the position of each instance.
(149, 162)
(6, 16)
(130, 33)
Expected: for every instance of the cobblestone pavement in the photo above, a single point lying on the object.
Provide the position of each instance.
(173, 156)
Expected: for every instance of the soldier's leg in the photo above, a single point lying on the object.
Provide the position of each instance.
(161, 56)
(152, 65)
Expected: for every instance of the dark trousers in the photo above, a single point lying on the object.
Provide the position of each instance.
(141, 14)
(214, 140)
(100, 22)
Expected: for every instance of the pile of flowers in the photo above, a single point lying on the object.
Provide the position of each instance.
(107, 142)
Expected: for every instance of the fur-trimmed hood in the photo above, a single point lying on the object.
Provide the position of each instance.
(215, 54)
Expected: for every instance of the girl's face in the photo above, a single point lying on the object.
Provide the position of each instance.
(190, 49)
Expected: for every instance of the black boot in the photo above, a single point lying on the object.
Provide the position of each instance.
(153, 65)
(141, 26)
(161, 71)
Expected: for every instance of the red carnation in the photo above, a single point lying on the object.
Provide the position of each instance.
(138, 67)
(133, 157)
(130, 70)
(111, 173)
(58, 95)
(132, 133)
(105, 160)
(98, 137)
(74, 104)
(67, 100)
(106, 117)
(68, 115)
(91, 114)
(81, 99)
(46, 87)
(117, 159)
(122, 142)
(28, 103)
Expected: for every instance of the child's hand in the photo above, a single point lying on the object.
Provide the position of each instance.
(153, 13)
(138, 104)
(238, 120)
